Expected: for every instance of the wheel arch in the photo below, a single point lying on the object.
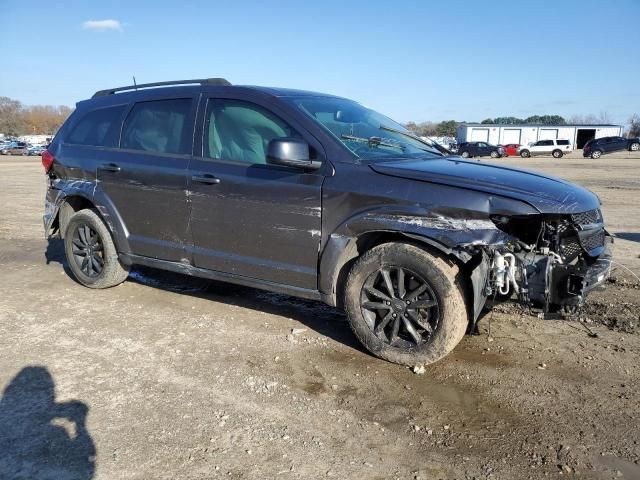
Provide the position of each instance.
(342, 251)
(73, 200)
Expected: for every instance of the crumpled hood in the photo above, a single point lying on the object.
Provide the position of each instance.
(546, 194)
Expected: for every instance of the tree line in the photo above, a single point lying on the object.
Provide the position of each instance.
(448, 128)
(18, 119)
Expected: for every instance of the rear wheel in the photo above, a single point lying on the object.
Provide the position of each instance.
(557, 154)
(596, 154)
(634, 147)
(494, 154)
(525, 153)
(465, 154)
(91, 253)
(405, 305)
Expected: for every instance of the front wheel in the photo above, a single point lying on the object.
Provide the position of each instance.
(405, 305)
(525, 154)
(557, 154)
(634, 147)
(91, 253)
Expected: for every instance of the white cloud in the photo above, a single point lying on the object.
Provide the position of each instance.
(102, 25)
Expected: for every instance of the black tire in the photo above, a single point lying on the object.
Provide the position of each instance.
(634, 147)
(465, 154)
(557, 154)
(87, 237)
(596, 154)
(525, 153)
(494, 154)
(440, 321)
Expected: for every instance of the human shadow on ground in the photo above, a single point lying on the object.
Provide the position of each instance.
(39, 438)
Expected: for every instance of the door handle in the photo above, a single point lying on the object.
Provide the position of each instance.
(207, 178)
(110, 167)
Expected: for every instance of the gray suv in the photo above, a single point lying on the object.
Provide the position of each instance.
(318, 197)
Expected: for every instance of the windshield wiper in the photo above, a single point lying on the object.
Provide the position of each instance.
(414, 137)
(372, 141)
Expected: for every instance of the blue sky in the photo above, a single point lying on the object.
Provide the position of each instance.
(412, 60)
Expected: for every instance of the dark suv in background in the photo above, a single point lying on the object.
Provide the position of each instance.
(318, 197)
(599, 146)
(480, 149)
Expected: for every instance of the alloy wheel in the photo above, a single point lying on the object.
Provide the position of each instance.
(400, 307)
(88, 251)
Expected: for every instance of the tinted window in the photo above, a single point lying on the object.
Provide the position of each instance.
(241, 131)
(98, 128)
(545, 143)
(158, 126)
(563, 142)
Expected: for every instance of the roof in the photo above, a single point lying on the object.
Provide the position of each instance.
(534, 125)
(206, 82)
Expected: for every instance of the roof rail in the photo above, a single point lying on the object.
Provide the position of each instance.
(200, 81)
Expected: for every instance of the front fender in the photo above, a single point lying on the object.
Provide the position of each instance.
(451, 236)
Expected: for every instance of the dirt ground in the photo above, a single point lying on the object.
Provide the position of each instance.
(171, 377)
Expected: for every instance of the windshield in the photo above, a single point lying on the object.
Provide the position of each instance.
(368, 134)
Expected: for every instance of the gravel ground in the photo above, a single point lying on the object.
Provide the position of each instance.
(168, 377)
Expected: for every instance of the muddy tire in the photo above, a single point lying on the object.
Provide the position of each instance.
(405, 305)
(91, 253)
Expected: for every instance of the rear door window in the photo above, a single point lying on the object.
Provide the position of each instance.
(98, 128)
(159, 126)
(563, 142)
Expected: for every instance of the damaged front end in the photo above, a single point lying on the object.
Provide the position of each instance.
(551, 261)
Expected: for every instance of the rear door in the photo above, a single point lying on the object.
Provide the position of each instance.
(249, 218)
(147, 178)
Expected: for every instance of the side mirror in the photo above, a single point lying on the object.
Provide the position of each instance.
(290, 152)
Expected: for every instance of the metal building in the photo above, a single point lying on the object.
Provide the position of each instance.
(524, 134)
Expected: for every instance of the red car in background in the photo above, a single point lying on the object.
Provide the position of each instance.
(511, 149)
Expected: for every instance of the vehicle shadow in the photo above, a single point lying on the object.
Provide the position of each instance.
(325, 320)
(39, 438)
(55, 252)
(631, 236)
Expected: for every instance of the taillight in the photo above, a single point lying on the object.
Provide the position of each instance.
(47, 160)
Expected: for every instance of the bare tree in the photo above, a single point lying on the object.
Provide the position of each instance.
(11, 120)
(16, 119)
(634, 125)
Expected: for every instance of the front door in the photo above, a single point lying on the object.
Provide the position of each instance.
(147, 179)
(249, 218)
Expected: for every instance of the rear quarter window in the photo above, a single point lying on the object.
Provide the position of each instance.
(563, 142)
(98, 128)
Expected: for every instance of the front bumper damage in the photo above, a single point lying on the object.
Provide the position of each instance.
(551, 266)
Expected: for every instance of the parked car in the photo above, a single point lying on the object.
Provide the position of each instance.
(511, 149)
(314, 196)
(36, 149)
(555, 148)
(14, 148)
(599, 146)
(480, 149)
